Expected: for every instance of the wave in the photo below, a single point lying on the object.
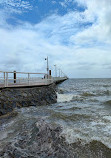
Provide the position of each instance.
(93, 149)
(61, 98)
(61, 91)
(107, 102)
(87, 94)
(41, 139)
(96, 93)
(77, 98)
(107, 92)
(64, 97)
(74, 108)
(93, 100)
(69, 116)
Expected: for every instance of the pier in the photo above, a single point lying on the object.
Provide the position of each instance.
(28, 79)
(24, 89)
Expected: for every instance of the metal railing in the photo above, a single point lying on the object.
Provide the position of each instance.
(13, 79)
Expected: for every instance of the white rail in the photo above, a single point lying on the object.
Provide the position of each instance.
(14, 79)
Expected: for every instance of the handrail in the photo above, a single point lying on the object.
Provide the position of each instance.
(21, 72)
(7, 80)
(2, 71)
(12, 79)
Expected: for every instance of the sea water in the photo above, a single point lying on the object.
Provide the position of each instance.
(83, 111)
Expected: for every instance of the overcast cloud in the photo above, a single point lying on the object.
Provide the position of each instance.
(77, 40)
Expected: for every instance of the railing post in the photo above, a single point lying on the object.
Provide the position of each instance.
(50, 77)
(28, 79)
(14, 76)
(4, 80)
(45, 77)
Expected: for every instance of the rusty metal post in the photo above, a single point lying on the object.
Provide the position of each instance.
(50, 78)
(14, 76)
(50, 72)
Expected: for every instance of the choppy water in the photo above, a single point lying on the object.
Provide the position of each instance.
(83, 111)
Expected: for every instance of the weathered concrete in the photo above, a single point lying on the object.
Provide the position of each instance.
(11, 98)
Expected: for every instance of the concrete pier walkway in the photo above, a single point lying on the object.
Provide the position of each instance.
(23, 79)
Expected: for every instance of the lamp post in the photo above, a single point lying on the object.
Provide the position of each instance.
(59, 72)
(47, 66)
(55, 71)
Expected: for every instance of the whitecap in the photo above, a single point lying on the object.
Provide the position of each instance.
(64, 97)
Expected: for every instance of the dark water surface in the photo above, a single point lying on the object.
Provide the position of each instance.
(83, 111)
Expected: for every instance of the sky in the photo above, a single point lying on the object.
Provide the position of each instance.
(74, 34)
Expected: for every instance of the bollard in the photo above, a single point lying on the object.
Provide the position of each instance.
(14, 76)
